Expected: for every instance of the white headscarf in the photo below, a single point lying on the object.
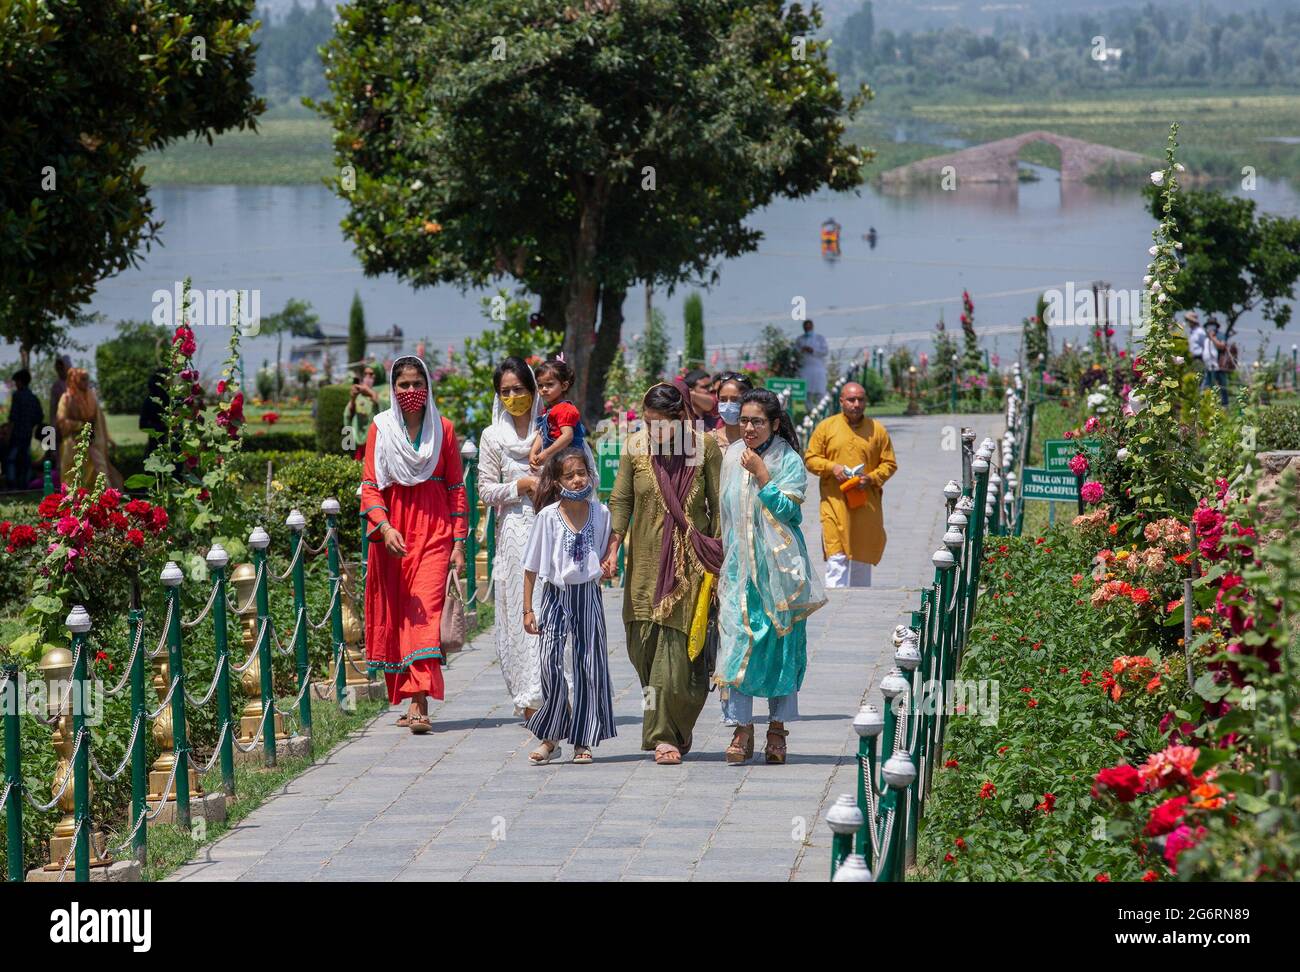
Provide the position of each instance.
(517, 448)
(396, 460)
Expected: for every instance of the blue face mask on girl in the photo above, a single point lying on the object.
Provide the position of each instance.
(575, 494)
(730, 412)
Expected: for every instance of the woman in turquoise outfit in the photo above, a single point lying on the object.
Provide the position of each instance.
(768, 586)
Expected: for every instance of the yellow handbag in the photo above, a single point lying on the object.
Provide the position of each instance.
(700, 619)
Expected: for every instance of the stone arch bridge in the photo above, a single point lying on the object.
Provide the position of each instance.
(999, 161)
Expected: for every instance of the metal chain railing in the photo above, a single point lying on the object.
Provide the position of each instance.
(897, 751)
(67, 779)
(126, 757)
(338, 583)
(252, 596)
(212, 596)
(212, 688)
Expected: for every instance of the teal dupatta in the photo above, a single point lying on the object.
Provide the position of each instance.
(768, 586)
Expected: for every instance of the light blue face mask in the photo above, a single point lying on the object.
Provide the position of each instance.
(576, 494)
(730, 412)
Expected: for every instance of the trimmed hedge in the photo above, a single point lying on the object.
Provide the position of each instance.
(331, 400)
(1279, 427)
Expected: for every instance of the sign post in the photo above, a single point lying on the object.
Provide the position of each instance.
(798, 388)
(1057, 453)
(1048, 484)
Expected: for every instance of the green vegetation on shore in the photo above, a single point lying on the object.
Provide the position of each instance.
(283, 151)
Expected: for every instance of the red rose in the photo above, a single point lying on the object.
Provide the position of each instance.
(1103, 877)
(961, 843)
(50, 504)
(1165, 817)
(1150, 876)
(157, 518)
(950, 764)
(1122, 734)
(1049, 802)
(948, 858)
(1122, 781)
(135, 538)
(988, 791)
(119, 520)
(109, 499)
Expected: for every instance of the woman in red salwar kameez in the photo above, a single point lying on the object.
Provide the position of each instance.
(413, 498)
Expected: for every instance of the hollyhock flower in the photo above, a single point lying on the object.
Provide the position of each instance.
(185, 338)
(1122, 782)
(1092, 491)
(237, 407)
(221, 387)
(1182, 731)
(1183, 838)
(1157, 178)
(988, 791)
(67, 526)
(189, 374)
(1079, 464)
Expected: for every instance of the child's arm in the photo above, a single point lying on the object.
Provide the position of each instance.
(561, 442)
(535, 453)
(530, 622)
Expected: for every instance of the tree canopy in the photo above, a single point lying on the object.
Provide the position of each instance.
(580, 149)
(87, 87)
(1232, 259)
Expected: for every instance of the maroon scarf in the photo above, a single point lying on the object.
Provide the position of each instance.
(675, 476)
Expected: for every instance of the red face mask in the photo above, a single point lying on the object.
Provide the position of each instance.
(413, 400)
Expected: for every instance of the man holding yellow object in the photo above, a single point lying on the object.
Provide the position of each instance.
(852, 457)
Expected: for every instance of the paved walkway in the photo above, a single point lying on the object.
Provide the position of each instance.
(463, 803)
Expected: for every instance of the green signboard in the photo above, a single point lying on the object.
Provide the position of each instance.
(1048, 484)
(798, 388)
(1057, 453)
(607, 459)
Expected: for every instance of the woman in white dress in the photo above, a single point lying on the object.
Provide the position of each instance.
(506, 483)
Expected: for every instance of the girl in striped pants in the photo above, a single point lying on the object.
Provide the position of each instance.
(569, 540)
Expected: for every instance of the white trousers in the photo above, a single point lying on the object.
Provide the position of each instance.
(843, 572)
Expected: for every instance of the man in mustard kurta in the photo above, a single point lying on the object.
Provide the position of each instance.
(853, 534)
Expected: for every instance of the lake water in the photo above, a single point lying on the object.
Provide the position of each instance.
(1004, 245)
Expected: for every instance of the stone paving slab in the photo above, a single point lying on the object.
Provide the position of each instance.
(463, 803)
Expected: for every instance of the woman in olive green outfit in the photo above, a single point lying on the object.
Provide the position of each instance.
(667, 487)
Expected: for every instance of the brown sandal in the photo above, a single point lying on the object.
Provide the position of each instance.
(775, 751)
(742, 745)
(666, 754)
(420, 724)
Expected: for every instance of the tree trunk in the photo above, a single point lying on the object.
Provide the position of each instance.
(552, 308)
(607, 345)
(584, 288)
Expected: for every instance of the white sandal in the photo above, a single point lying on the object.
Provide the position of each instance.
(546, 752)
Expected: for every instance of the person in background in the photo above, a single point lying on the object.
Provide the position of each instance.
(1215, 357)
(60, 385)
(25, 420)
(153, 413)
(79, 407)
(703, 402)
(363, 402)
(768, 586)
(853, 456)
(815, 352)
(731, 389)
(1196, 343)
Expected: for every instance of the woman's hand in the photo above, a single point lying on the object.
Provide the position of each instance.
(393, 542)
(530, 623)
(458, 556)
(754, 463)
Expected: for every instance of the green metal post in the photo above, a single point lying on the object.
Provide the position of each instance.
(259, 540)
(13, 776)
(217, 561)
(171, 578)
(330, 507)
(980, 468)
(943, 562)
(1078, 482)
(139, 760)
(78, 622)
(298, 523)
(47, 484)
(469, 463)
